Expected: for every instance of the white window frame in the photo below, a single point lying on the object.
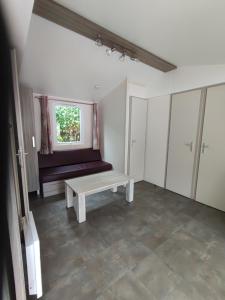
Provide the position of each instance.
(69, 145)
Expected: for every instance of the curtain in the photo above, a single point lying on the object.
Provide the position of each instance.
(96, 126)
(46, 142)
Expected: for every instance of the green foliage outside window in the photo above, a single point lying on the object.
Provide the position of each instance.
(68, 123)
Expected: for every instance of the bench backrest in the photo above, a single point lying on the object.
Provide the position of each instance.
(68, 157)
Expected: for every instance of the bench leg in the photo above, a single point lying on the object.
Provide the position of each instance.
(69, 197)
(130, 191)
(41, 190)
(80, 207)
(114, 190)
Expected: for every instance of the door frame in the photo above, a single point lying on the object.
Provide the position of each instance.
(27, 222)
(129, 130)
(19, 125)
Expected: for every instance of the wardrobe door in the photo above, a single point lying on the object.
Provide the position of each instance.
(157, 139)
(211, 176)
(26, 95)
(138, 121)
(182, 142)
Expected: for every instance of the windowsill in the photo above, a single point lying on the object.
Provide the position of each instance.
(70, 147)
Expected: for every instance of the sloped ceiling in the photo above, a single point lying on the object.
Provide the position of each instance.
(184, 32)
(187, 33)
(60, 62)
(17, 14)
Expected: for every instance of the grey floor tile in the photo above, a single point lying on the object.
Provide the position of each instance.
(156, 276)
(162, 246)
(129, 288)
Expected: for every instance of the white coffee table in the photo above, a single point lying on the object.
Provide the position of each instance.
(91, 184)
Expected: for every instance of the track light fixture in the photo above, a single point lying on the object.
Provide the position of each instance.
(109, 51)
(99, 41)
(122, 56)
(135, 59)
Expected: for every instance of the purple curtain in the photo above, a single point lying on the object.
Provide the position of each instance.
(96, 126)
(46, 142)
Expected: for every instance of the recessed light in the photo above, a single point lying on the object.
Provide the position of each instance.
(97, 86)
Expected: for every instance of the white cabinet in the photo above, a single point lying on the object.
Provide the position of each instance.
(211, 176)
(182, 142)
(157, 139)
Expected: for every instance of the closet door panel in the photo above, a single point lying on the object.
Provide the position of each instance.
(138, 138)
(211, 176)
(182, 142)
(157, 139)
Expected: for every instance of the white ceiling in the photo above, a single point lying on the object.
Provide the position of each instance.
(17, 14)
(60, 62)
(184, 32)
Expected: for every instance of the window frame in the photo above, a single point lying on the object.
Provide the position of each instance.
(66, 145)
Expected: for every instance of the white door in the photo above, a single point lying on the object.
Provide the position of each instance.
(211, 177)
(182, 142)
(157, 139)
(20, 151)
(29, 228)
(138, 120)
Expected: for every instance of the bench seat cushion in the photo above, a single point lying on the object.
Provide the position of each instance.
(71, 171)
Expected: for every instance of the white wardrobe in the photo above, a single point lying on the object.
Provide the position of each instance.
(196, 146)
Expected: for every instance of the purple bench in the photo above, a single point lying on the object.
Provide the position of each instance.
(70, 164)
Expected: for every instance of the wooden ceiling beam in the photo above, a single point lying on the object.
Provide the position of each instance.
(62, 16)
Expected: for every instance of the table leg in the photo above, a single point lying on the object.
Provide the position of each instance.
(130, 191)
(69, 197)
(80, 207)
(114, 190)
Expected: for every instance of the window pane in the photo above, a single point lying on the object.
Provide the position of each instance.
(68, 123)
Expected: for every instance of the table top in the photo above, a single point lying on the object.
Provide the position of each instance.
(95, 182)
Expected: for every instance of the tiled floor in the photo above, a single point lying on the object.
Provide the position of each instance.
(163, 246)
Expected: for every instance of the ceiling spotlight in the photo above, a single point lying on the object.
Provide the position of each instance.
(135, 59)
(109, 51)
(122, 57)
(99, 41)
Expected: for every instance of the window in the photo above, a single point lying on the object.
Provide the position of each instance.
(67, 124)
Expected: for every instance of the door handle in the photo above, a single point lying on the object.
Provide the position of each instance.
(33, 141)
(190, 145)
(204, 146)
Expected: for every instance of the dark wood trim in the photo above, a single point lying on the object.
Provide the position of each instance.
(62, 16)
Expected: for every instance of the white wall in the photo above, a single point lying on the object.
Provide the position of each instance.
(156, 139)
(17, 16)
(113, 112)
(190, 77)
(86, 126)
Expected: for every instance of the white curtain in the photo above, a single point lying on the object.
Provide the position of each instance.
(96, 126)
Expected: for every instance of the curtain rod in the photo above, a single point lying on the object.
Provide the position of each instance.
(65, 100)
